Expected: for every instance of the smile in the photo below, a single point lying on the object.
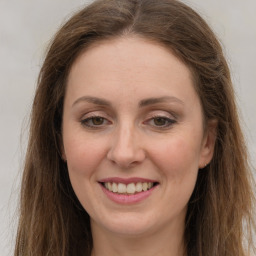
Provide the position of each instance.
(130, 188)
(128, 191)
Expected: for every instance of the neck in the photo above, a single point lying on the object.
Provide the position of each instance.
(161, 243)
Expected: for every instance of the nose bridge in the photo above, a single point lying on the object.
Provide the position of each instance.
(125, 148)
(125, 136)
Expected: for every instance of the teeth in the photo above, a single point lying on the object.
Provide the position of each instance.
(138, 187)
(144, 186)
(121, 188)
(114, 187)
(130, 188)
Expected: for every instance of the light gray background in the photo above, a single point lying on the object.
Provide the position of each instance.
(27, 26)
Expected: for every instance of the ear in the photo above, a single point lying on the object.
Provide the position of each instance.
(208, 143)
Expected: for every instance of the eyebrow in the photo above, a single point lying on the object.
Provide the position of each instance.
(142, 103)
(152, 101)
(94, 100)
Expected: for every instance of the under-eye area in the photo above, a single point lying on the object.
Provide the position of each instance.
(128, 189)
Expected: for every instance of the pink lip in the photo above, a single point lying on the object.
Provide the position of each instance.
(126, 180)
(128, 199)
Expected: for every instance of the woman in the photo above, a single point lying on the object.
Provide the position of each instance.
(135, 146)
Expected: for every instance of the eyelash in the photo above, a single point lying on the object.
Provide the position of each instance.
(87, 122)
(168, 122)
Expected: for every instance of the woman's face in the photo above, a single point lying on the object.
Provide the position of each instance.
(133, 136)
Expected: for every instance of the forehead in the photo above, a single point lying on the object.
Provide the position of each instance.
(130, 49)
(132, 65)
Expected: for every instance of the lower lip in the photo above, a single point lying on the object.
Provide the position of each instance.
(128, 199)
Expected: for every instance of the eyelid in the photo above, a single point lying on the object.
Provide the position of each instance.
(94, 113)
(170, 119)
(162, 113)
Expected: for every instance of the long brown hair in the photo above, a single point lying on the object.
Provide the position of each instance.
(220, 211)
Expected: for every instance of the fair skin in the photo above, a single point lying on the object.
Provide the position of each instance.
(131, 114)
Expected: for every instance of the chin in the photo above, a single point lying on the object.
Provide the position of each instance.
(127, 225)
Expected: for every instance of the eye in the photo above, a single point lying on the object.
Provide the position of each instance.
(95, 122)
(160, 122)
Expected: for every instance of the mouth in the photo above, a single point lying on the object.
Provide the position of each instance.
(128, 191)
(131, 188)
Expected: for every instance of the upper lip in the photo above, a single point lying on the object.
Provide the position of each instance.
(126, 180)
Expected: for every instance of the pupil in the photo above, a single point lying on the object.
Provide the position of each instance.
(159, 121)
(97, 120)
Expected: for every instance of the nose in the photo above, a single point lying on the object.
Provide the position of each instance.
(126, 150)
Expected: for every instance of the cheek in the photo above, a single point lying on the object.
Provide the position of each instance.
(83, 158)
(83, 155)
(178, 159)
(178, 164)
